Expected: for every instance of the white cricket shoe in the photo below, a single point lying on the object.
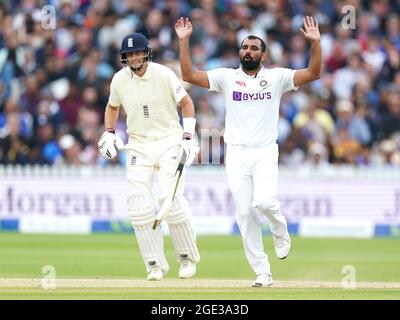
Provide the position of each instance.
(263, 280)
(155, 274)
(282, 245)
(187, 269)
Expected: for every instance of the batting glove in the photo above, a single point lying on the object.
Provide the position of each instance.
(188, 144)
(109, 144)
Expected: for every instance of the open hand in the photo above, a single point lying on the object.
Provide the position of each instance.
(311, 31)
(183, 28)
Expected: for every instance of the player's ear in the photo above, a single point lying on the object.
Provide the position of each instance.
(263, 56)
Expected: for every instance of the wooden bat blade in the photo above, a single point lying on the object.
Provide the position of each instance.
(167, 204)
(164, 210)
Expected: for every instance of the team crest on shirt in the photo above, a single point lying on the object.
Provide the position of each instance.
(263, 83)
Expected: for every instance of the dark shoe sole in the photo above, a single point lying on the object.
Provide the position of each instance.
(259, 285)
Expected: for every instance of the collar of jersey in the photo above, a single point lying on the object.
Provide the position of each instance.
(259, 74)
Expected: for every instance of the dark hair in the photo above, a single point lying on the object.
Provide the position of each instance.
(253, 37)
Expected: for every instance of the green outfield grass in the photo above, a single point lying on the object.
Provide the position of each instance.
(111, 256)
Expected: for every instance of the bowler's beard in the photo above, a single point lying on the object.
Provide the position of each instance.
(250, 64)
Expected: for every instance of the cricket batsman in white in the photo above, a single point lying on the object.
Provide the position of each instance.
(149, 93)
(252, 98)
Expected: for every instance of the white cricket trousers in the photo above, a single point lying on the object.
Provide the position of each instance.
(144, 160)
(253, 177)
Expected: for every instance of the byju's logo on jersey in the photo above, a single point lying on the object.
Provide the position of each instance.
(241, 96)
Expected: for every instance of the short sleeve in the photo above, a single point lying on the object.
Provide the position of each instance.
(114, 99)
(177, 89)
(216, 78)
(287, 79)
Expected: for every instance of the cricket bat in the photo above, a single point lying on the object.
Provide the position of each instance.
(167, 204)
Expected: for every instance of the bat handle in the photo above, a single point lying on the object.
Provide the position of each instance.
(155, 224)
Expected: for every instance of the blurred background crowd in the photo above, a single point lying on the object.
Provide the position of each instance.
(54, 82)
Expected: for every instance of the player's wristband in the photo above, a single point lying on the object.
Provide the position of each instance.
(111, 130)
(189, 125)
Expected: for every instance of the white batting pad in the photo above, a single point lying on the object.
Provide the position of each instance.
(184, 240)
(151, 244)
(141, 209)
(181, 230)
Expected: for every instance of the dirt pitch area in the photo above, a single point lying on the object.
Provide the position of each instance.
(176, 283)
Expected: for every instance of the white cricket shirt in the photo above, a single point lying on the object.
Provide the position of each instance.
(252, 103)
(149, 101)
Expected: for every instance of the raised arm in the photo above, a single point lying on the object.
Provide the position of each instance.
(183, 28)
(313, 70)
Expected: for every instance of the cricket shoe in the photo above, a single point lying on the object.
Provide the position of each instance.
(263, 280)
(155, 274)
(187, 269)
(282, 244)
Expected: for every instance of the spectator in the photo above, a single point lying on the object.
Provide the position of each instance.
(345, 78)
(316, 123)
(390, 121)
(72, 149)
(361, 66)
(355, 127)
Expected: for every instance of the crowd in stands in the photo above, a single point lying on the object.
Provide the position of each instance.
(54, 82)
